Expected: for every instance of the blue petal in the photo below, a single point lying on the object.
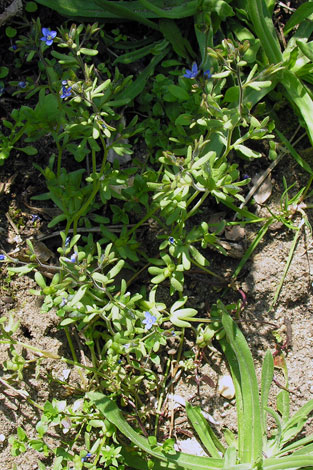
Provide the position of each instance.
(188, 74)
(194, 69)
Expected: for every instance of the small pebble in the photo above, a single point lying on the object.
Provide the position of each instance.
(226, 387)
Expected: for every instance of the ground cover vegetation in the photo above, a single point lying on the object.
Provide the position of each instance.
(152, 109)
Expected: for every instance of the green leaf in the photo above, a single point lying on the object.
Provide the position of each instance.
(302, 14)
(4, 71)
(103, 86)
(183, 120)
(176, 284)
(91, 52)
(21, 270)
(98, 277)
(56, 220)
(294, 153)
(67, 321)
(204, 431)
(283, 404)
(63, 58)
(306, 48)
(247, 151)
(258, 85)
(266, 382)
(172, 33)
(135, 88)
(230, 458)
(295, 424)
(180, 11)
(40, 280)
(264, 29)
(135, 55)
(78, 296)
(178, 92)
(288, 463)
(29, 150)
(197, 256)
(10, 32)
(249, 413)
(30, 7)
(232, 95)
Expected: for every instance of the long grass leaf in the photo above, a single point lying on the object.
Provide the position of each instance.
(297, 445)
(133, 90)
(294, 153)
(111, 411)
(252, 247)
(235, 373)
(295, 424)
(266, 382)
(288, 463)
(126, 11)
(204, 431)
(287, 265)
(180, 10)
(297, 94)
(264, 29)
(251, 448)
(301, 14)
(173, 34)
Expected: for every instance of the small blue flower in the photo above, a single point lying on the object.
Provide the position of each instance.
(21, 84)
(149, 320)
(87, 457)
(66, 92)
(2, 257)
(14, 47)
(64, 82)
(35, 217)
(207, 73)
(171, 240)
(63, 302)
(193, 72)
(73, 258)
(67, 241)
(48, 36)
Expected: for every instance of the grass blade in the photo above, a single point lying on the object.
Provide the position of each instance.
(250, 446)
(300, 15)
(111, 411)
(264, 28)
(172, 33)
(295, 424)
(287, 265)
(252, 247)
(133, 90)
(294, 153)
(124, 10)
(298, 95)
(266, 382)
(188, 8)
(288, 463)
(204, 431)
